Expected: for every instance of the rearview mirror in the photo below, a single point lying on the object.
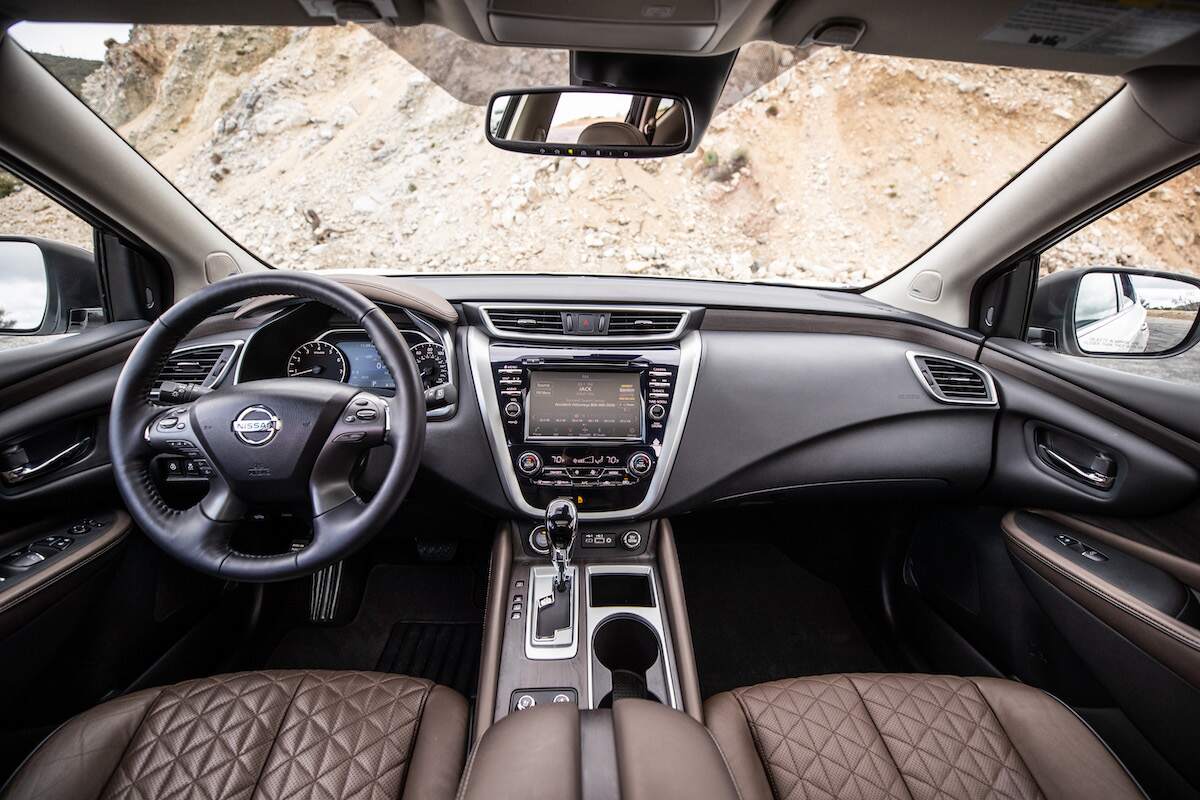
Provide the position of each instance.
(1115, 313)
(589, 122)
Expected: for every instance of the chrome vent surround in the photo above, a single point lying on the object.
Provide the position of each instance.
(526, 320)
(202, 365)
(953, 380)
(557, 323)
(637, 323)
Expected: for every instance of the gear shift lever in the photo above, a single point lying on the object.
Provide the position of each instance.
(562, 519)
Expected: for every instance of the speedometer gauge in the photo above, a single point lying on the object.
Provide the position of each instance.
(317, 360)
(431, 363)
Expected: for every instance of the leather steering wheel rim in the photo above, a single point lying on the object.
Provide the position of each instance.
(330, 425)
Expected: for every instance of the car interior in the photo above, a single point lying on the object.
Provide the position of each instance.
(535, 533)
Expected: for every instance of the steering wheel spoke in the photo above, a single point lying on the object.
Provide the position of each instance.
(364, 423)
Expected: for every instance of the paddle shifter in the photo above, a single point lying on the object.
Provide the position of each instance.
(562, 519)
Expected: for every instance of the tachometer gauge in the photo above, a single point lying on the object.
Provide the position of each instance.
(431, 363)
(317, 360)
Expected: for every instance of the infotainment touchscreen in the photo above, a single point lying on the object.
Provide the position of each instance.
(583, 405)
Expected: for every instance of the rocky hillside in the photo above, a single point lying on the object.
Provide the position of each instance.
(363, 147)
(71, 71)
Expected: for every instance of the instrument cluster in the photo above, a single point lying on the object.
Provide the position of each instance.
(348, 356)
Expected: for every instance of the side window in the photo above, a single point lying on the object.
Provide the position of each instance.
(1124, 291)
(49, 282)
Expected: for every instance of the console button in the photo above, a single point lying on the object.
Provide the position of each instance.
(513, 409)
(529, 463)
(657, 412)
(525, 702)
(539, 541)
(631, 540)
(640, 464)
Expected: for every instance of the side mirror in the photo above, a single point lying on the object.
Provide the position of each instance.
(1112, 312)
(46, 288)
(589, 122)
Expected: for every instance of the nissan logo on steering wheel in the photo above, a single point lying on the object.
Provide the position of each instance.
(256, 425)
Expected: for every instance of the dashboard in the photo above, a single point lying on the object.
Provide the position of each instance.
(652, 399)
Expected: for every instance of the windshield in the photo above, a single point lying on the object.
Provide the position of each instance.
(363, 147)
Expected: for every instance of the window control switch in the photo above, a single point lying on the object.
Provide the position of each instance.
(23, 559)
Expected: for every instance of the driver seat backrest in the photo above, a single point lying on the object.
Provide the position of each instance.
(259, 736)
(612, 134)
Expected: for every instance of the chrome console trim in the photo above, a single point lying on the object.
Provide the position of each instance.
(651, 616)
(565, 642)
(690, 347)
(685, 318)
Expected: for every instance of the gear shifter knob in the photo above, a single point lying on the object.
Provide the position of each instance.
(562, 519)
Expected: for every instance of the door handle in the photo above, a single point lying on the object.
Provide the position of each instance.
(27, 472)
(1089, 475)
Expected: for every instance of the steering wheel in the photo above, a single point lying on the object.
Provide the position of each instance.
(289, 441)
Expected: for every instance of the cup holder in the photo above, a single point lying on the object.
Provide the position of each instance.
(628, 648)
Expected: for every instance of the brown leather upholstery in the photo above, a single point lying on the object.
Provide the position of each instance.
(909, 736)
(260, 735)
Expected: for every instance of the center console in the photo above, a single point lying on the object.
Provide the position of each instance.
(599, 424)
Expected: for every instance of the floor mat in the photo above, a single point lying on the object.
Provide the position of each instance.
(758, 616)
(409, 621)
(446, 653)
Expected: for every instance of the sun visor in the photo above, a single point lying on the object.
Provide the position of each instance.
(678, 25)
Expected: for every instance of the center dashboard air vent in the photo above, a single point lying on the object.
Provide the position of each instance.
(951, 380)
(618, 323)
(202, 365)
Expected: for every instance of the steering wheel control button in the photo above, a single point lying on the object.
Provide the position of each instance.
(367, 414)
(357, 436)
(631, 540)
(529, 463)
(640, 464)
(525, 702)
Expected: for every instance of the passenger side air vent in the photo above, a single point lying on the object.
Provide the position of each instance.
(643, 323)
(526, 320)
(950, 380)
(625, 323)
(199, 366)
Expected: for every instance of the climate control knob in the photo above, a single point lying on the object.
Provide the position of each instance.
(529, 463)
(640, 464)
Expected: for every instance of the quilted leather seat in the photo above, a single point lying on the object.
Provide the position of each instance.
(910, 737)
(259, 736)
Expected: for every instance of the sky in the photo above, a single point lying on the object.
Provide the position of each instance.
(75, 39)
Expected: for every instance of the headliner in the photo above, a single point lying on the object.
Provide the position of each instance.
(939, 29)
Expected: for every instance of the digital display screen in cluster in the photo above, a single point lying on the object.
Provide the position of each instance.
(366, 368)
(584, 405)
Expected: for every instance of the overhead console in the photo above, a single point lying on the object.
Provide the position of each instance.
(584, 402)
